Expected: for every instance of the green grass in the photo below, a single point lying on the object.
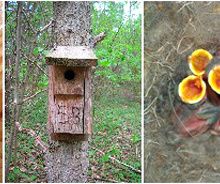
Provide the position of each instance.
(116, 132)
(30, 162)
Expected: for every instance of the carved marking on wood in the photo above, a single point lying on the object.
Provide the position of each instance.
(70, 103)
(65, 115)
(68, 118)
(68, 114)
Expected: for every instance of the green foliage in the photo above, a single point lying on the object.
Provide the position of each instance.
(16, 172)
(120, 52)
(105, 158)
(135, 138)
(116, 117)
(30, 166)
(34, 45)
(116, 132)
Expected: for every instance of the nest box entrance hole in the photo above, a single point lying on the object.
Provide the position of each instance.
(69, 75)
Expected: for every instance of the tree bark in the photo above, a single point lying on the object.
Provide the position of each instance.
(68, 161)
(1, 91)
(16, 110)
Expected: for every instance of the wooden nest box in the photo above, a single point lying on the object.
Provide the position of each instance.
(70, 105)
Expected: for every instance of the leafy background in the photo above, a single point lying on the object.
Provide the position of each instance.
(117, 89)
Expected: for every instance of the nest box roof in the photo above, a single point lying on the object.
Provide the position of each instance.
(71, 56)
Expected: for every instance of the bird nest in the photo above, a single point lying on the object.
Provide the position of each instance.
(173, 30)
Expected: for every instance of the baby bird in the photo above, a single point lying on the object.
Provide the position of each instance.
(212, 96)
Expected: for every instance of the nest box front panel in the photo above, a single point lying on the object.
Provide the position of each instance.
(69, 80)
(70, 91)
(68, 103)
(68, 114)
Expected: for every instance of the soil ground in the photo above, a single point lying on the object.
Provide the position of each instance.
(173, 30)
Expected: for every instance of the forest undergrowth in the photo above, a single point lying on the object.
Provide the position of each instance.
(116, 135)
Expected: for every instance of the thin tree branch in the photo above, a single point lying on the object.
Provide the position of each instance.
(31, 96)
(116, 34)
(106, 180)
(35, 64)
(45, 27)
(118, 161)
(98, 38)
(30, 25)
(32, 28)
(38, 141)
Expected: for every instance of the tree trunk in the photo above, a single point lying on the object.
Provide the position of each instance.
(16, 108)
(68, 161)
(1, 92)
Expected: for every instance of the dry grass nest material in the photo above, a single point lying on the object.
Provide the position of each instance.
(173, 30)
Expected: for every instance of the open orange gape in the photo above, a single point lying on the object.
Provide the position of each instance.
(198, 61)
(204, 83)
(214, 78)
(192, 89)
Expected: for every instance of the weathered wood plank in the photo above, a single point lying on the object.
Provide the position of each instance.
(88, 102)
(69, 80)
(71, 56)
(66, 101)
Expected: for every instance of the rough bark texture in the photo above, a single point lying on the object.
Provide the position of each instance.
(1, 91)
(68, 161)
(73, 22)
